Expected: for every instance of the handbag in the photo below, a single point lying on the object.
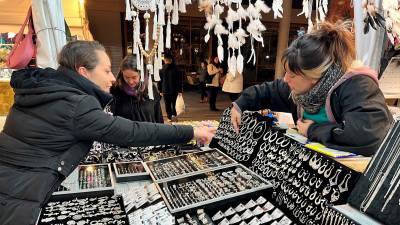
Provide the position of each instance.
(180, 105)
(23, 49)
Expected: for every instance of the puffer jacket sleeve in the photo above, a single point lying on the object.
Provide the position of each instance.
(92, 124)
(365, 119)
(272, 95)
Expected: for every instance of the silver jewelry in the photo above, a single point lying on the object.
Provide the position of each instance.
(312, 161)
(343, 186)
(246, 215)
(318, 216)
(308, 208)
(273, 137)
(322, 169)
(235, 219)
(219, 215)
(285, 143)
(307, 191)
(326, 190)
(335, 195)
(306, 176)
(328, 172)
(300, 174)
(333, 180)
(313, 180)
(48, 219)
(318, 183)
(313, 195)
(318, 200)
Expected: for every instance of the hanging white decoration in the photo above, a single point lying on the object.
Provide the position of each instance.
(175, 13)
(155, 25)
(128, 13)
(277, 8)
(147, 17)
(391, 13)
(255, 27)
(156, 69)
(213, 10)
(142, 68)
(149, 61)
(161, 13)
(182, 6)
(320, 13)
(168, 38)
(150, 82)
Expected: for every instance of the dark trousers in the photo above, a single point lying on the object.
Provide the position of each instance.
(203, 90)
(234, 96)
(170, 101)
(213, 92)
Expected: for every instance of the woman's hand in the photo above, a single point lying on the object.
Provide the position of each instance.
(204, 134)
(303, 125)
(235, 119)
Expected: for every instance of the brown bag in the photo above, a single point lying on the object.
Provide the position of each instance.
(24, 48)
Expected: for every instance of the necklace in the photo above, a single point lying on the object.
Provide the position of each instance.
(379, 179)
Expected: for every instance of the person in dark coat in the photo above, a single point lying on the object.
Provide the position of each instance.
(334, 101)
(170, 85)
(202, 71)
(215, 72)
(131, 99)
(56, 116)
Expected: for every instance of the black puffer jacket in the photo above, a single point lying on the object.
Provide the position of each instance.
(51, 126)
(357, 105)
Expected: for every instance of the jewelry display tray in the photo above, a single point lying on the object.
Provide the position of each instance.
(126, 177)
(199, 168)
(354, 215)
(287, 164)
(214, 201)
(72, 184)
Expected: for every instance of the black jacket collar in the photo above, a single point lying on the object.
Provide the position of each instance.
(35, 86)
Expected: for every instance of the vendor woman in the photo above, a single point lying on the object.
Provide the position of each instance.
(335, 100)
(56, 116)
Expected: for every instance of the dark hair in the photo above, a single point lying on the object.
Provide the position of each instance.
(312, 54)
(80, 53)
(212, 61)
(130, 63)
(168, 55)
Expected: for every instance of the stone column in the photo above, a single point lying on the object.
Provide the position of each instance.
(283, 37)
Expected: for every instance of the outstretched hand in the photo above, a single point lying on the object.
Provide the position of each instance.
(204, 134)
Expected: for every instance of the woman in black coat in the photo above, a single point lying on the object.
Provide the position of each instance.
(335, 100)
(131, 99)
(56, 116)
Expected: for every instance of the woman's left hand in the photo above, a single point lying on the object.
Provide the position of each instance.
(303, 125)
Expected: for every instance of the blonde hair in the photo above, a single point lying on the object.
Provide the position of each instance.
(312, 54)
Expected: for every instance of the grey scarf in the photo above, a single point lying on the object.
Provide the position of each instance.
(314, 99)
